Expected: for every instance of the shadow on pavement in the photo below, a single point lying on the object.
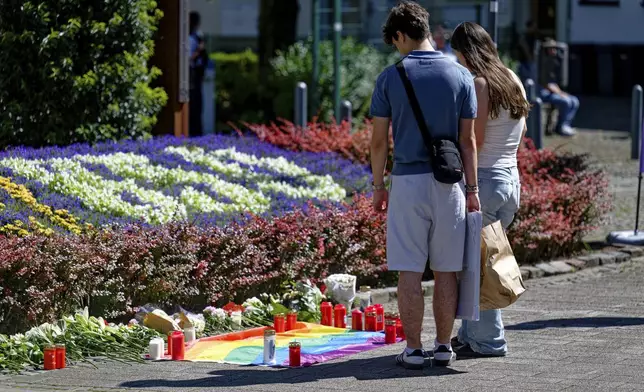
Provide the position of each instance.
(584, 322)
(381, 368)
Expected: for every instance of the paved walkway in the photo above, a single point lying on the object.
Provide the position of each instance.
(582, 332)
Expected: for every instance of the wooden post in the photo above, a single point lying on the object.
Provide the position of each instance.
(171, 55)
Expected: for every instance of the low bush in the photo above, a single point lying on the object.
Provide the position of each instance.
(562, 198)
(114, 270)
(322, 137)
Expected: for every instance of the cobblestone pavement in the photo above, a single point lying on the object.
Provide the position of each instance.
(583, 331)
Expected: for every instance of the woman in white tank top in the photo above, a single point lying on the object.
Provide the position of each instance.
(500, 126)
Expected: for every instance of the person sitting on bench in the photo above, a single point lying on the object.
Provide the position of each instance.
(566, 105)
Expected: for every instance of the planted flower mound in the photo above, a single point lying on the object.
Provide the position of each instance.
(208, 181)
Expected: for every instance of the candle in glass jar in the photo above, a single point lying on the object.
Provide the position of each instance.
(190, 334)
(279, 323)
(380, 317)
(178, 345)
(399, 327)
(327, 313)
(61, 354)
(340, 316)
(236, 317)
(269, 347)
(155, 349)
(370, 321)
(49, 354)
(294, 354)
(291, 320)
(356, 320)
(390, 332)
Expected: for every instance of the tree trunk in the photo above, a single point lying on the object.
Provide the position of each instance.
(277, 31)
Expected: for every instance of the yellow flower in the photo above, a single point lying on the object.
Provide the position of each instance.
(60, 217)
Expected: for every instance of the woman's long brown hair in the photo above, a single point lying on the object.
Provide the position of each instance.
(478, 49)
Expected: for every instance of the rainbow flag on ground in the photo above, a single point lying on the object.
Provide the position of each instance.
(319, 344)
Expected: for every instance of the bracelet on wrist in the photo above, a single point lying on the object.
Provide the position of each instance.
(471, 188)
(378, 187)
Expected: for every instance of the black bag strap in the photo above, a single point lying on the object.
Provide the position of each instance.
(415, 106)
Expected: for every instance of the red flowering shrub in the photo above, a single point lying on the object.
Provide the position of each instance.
(562, 200)
(114, 270)
(322, 137)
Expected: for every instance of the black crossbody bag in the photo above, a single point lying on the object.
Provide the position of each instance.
(445, 156)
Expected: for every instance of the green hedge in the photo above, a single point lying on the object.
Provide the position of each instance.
(73, 71)
(239, 97)
(236, 87)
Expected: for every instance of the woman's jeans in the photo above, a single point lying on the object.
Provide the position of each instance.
(499, 191)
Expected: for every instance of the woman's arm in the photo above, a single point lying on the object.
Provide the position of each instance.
(482, 113)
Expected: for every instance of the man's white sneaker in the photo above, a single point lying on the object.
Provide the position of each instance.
(415, 360)
(443, 356)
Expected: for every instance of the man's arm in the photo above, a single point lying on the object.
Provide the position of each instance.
(379, 149)
(467, 141)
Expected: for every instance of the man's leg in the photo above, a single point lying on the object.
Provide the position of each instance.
(572, 110)
(565, 111)
(444, 302)
(411, 305)
(408, 227)
(446, 253)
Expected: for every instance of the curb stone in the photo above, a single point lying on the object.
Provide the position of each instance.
(559, 267)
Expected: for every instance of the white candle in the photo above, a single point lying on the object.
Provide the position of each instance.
(156, 349)
(190, 334)
(237, 317)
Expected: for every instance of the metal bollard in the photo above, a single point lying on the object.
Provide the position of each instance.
(300, 104)
(637, 115)
(346, 111)
(530, 90)
(535, 128)
(493, 21)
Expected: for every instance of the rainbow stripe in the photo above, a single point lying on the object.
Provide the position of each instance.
(319, 344)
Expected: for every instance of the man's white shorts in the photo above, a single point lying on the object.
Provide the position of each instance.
(425, 218)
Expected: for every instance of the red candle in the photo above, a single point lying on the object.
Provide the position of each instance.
(279, 323)
(50, 357)
(294, 354)
(370, 321)
(291, 320)
(356, 320)
(340, 316)
(327, 313)
(380, 317)
(178, 345)
(61, 354)
(390, 332)
(399, 327)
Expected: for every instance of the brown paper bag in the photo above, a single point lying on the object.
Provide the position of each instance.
(501, 281)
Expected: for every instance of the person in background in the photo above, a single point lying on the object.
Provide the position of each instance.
(198, 63)
(426, 219)
(566, 104)
(441, 43)
(500, 125)
(526, 52)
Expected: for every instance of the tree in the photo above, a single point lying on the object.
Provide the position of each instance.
(277, 31)
(77, 71)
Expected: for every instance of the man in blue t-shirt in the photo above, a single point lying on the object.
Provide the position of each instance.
(425, 218)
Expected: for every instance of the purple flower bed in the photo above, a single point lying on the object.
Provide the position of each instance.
(354, 178)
